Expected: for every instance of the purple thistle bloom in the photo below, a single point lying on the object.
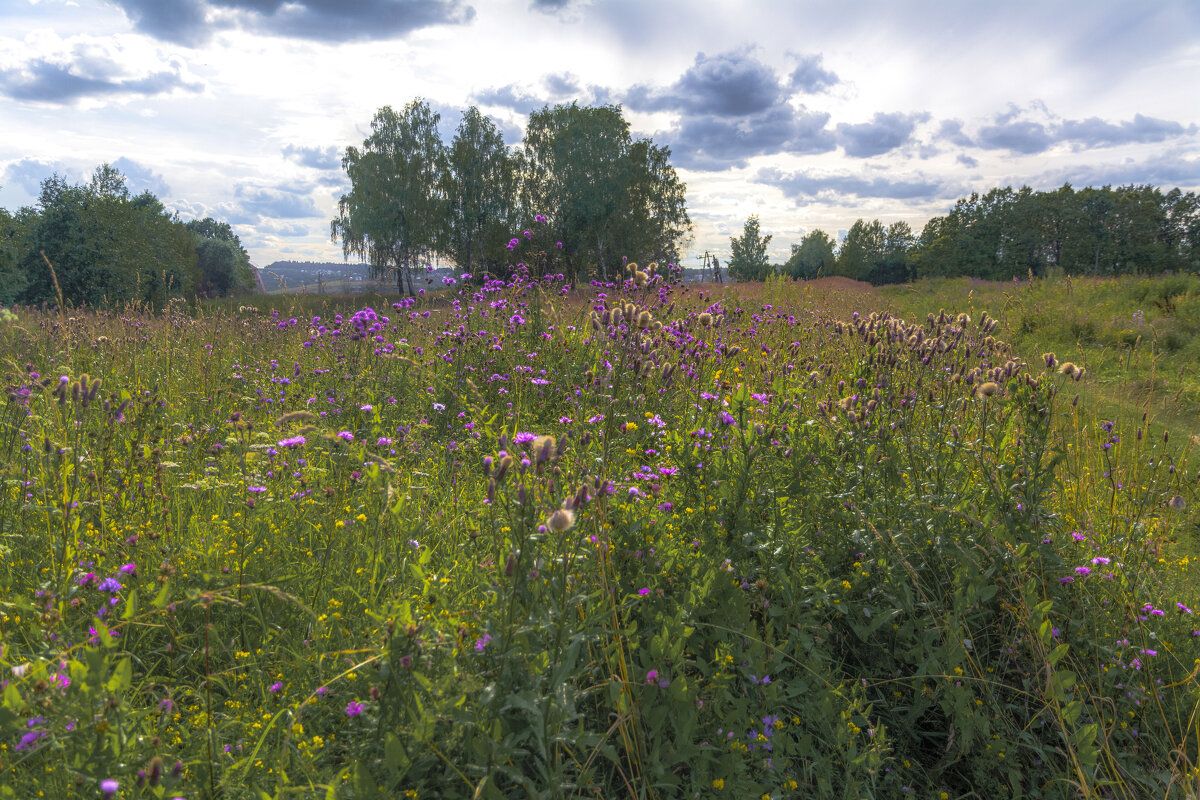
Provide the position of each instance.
(482, 642)
(354, 708)
(292, 441)
(346, 436)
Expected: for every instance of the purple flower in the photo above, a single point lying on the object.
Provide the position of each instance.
(127, 569)
(275, 688)
(354, 708)
(346, 436)
(292, 441)
(643, 592)
(109, 786)
(482, 642)
(110, 585)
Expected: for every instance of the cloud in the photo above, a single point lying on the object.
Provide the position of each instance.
(562, 84)
(283, 202)
(883, 133)
(46, 81)
(323, 158)
(952, 131)
(549, 6)
(1166, 170)
(728, 85)
(28, 173)
(967, 161)
(282, 229)
(510, 96)
(717, 143)
(1016, 132)
(1095, 132)
(811, 77)
(834, 188)
(192, 22)
(1018, 136)
(140, 178)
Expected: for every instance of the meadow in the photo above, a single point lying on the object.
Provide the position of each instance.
(638, 539)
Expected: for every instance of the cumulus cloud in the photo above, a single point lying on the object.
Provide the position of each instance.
(561, 84)
(809, 76)
(48, 80)
(278, 202)
(1166, 170)
(728, 85)
(804, 186)
(731, 108)
(192, 22)
(549, 6)
(1037, 130)
(28, 173)
(885, 132)
(716, 143)
(1095, 132)
(323, 158)
(967, 161)
(140, 178)
(510, 96)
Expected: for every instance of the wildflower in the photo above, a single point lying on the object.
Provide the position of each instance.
(719, 783)
(109, 786)
(346, 436)
(354, 708)
(292, 441)
(275, 688)
(986, 389)
(482, 642)
(563, 519)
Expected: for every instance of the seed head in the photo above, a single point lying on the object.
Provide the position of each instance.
(987, 389)
(705, 319)
(1177, 503)
(561, 520)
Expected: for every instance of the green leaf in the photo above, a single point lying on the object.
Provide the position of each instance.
(131, 606)
(122, 677)
(1057, 653)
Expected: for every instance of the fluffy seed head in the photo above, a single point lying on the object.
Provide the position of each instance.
(705, 319)
(986, 389)
(561, 520)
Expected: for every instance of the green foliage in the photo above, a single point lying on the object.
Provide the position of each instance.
(12, 235)
(607, 196)
(812, 257)
(754, 548)
(748, 257)
(107, 247)
(480, 184)
(392, 215)
(1009, 233)
(223, 263)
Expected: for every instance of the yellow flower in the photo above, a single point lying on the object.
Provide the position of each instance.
(630, 426)
(719, 783)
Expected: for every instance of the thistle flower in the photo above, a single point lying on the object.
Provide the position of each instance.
(563, 519)
(705, 319)
(1177, 503)
(986, 389)
(1071, 370)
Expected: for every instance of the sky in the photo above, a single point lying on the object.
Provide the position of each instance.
(809, 114)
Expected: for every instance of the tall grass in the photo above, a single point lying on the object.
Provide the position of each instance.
(532, 540)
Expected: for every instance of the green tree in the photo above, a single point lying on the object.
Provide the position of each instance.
(748, 257)
(863, 248)
(224, 264)
(394, 212)
(606, 195)
(813, 256)
(12, 240)
(480, 194)
(107, 247)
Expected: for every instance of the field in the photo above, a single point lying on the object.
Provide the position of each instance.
(642, 540)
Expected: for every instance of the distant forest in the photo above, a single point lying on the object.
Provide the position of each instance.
(108, 247)
(1004, 234)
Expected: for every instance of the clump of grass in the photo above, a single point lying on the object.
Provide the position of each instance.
(529, 539)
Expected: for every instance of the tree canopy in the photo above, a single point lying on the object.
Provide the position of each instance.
(748, 260)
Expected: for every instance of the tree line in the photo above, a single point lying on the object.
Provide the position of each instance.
(596, 193)
(1004, 234)
(107, 246)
